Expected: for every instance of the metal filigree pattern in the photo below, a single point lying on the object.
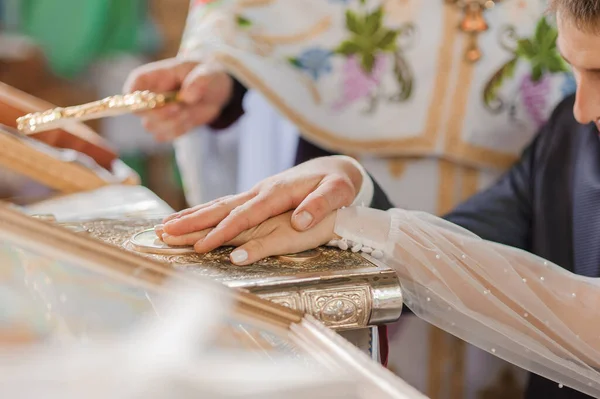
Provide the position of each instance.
(291, 300)
(336, 287)
(115, 232)
(340, 308)
(216, 264)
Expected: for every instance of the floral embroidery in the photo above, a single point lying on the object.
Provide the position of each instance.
(242, 21)
(368, 51)
(534, 94)
(367, 38)
(541, 54)
(315, 62)
(357, 83)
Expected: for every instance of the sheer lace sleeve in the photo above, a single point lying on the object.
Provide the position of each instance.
(509, 302)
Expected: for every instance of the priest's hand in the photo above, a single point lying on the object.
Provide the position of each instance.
(313, 189)
(275, 236)
(204, 92)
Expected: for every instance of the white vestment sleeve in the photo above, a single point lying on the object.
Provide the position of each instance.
(509, 302)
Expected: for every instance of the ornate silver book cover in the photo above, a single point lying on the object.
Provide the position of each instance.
(344, 290)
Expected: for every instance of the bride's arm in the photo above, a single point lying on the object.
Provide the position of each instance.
(507, 301)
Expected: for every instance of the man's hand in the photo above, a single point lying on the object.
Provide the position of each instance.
(314, 189)
(275, 236)
(204, 91)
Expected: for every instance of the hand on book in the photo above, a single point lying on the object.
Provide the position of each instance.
(203, 92)
(275, 236)
(313, 190)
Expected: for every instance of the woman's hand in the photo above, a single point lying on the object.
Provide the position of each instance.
(275, 236)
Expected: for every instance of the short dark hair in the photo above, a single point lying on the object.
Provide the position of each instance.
(585, 14)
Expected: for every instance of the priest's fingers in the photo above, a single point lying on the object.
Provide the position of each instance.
(178, 124)
(178, 120)
(160, 76)
(185, 239)
(206, 217)
(197, 81)
(165, 130)
(334, 192)
(160, 122)
(161, 114)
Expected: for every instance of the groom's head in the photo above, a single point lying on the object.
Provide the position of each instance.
(579, 43)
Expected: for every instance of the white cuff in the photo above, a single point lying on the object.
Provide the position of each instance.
(367, 189)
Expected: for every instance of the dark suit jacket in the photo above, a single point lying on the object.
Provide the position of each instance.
(536, 205)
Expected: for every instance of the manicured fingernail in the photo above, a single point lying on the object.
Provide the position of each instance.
(304, 219)
(165, 236)
(159, 227)
(239, 256)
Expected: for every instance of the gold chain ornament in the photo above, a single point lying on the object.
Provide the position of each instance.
(473, 23)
